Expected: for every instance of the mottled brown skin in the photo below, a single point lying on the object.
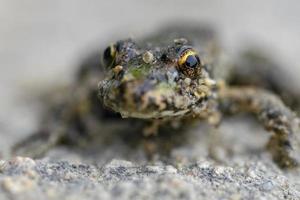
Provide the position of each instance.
(167, 80)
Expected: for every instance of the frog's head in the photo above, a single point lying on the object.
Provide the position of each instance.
(155, 82)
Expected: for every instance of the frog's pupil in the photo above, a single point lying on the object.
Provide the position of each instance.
(107, 53)
(192, 61)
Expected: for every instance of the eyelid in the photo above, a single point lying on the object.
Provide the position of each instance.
(185, 54)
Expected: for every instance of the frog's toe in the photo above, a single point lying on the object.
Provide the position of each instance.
(284, 153)
(286, 162)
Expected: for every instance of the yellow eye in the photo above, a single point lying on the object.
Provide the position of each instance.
(109, 55)
(189, 63)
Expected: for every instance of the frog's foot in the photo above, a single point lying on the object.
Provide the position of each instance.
(281, 152)
(150, 147)
(159, 146)
(37, 144)
(273, 115)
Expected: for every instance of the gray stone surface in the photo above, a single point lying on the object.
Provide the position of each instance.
(24, 178)
(116, 170)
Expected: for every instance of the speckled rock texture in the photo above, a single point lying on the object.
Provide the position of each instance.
(116, 170)
(24, 178)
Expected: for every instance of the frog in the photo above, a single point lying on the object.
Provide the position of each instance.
(170, 79)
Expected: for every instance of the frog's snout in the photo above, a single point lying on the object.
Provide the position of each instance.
(133, 94)
(137, 98)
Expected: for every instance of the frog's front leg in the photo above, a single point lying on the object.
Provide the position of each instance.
(272, 113)
(37, 144)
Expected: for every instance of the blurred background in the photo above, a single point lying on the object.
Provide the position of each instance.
(42, 42)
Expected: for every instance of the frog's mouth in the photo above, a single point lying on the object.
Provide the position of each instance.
(146, 100)
(154, 114)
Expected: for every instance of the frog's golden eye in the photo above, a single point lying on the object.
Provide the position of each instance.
(189, 63)
(109, 55)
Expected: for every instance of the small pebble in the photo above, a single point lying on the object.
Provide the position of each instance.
(267, 186)
(220, 170)
(154, 169)
(204, 165)
(148, 57)
(23, 161)
(251, 173)
(170, 169)
(187, 81)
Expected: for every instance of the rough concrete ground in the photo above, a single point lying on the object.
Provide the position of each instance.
(24, 178)
(116, 170)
